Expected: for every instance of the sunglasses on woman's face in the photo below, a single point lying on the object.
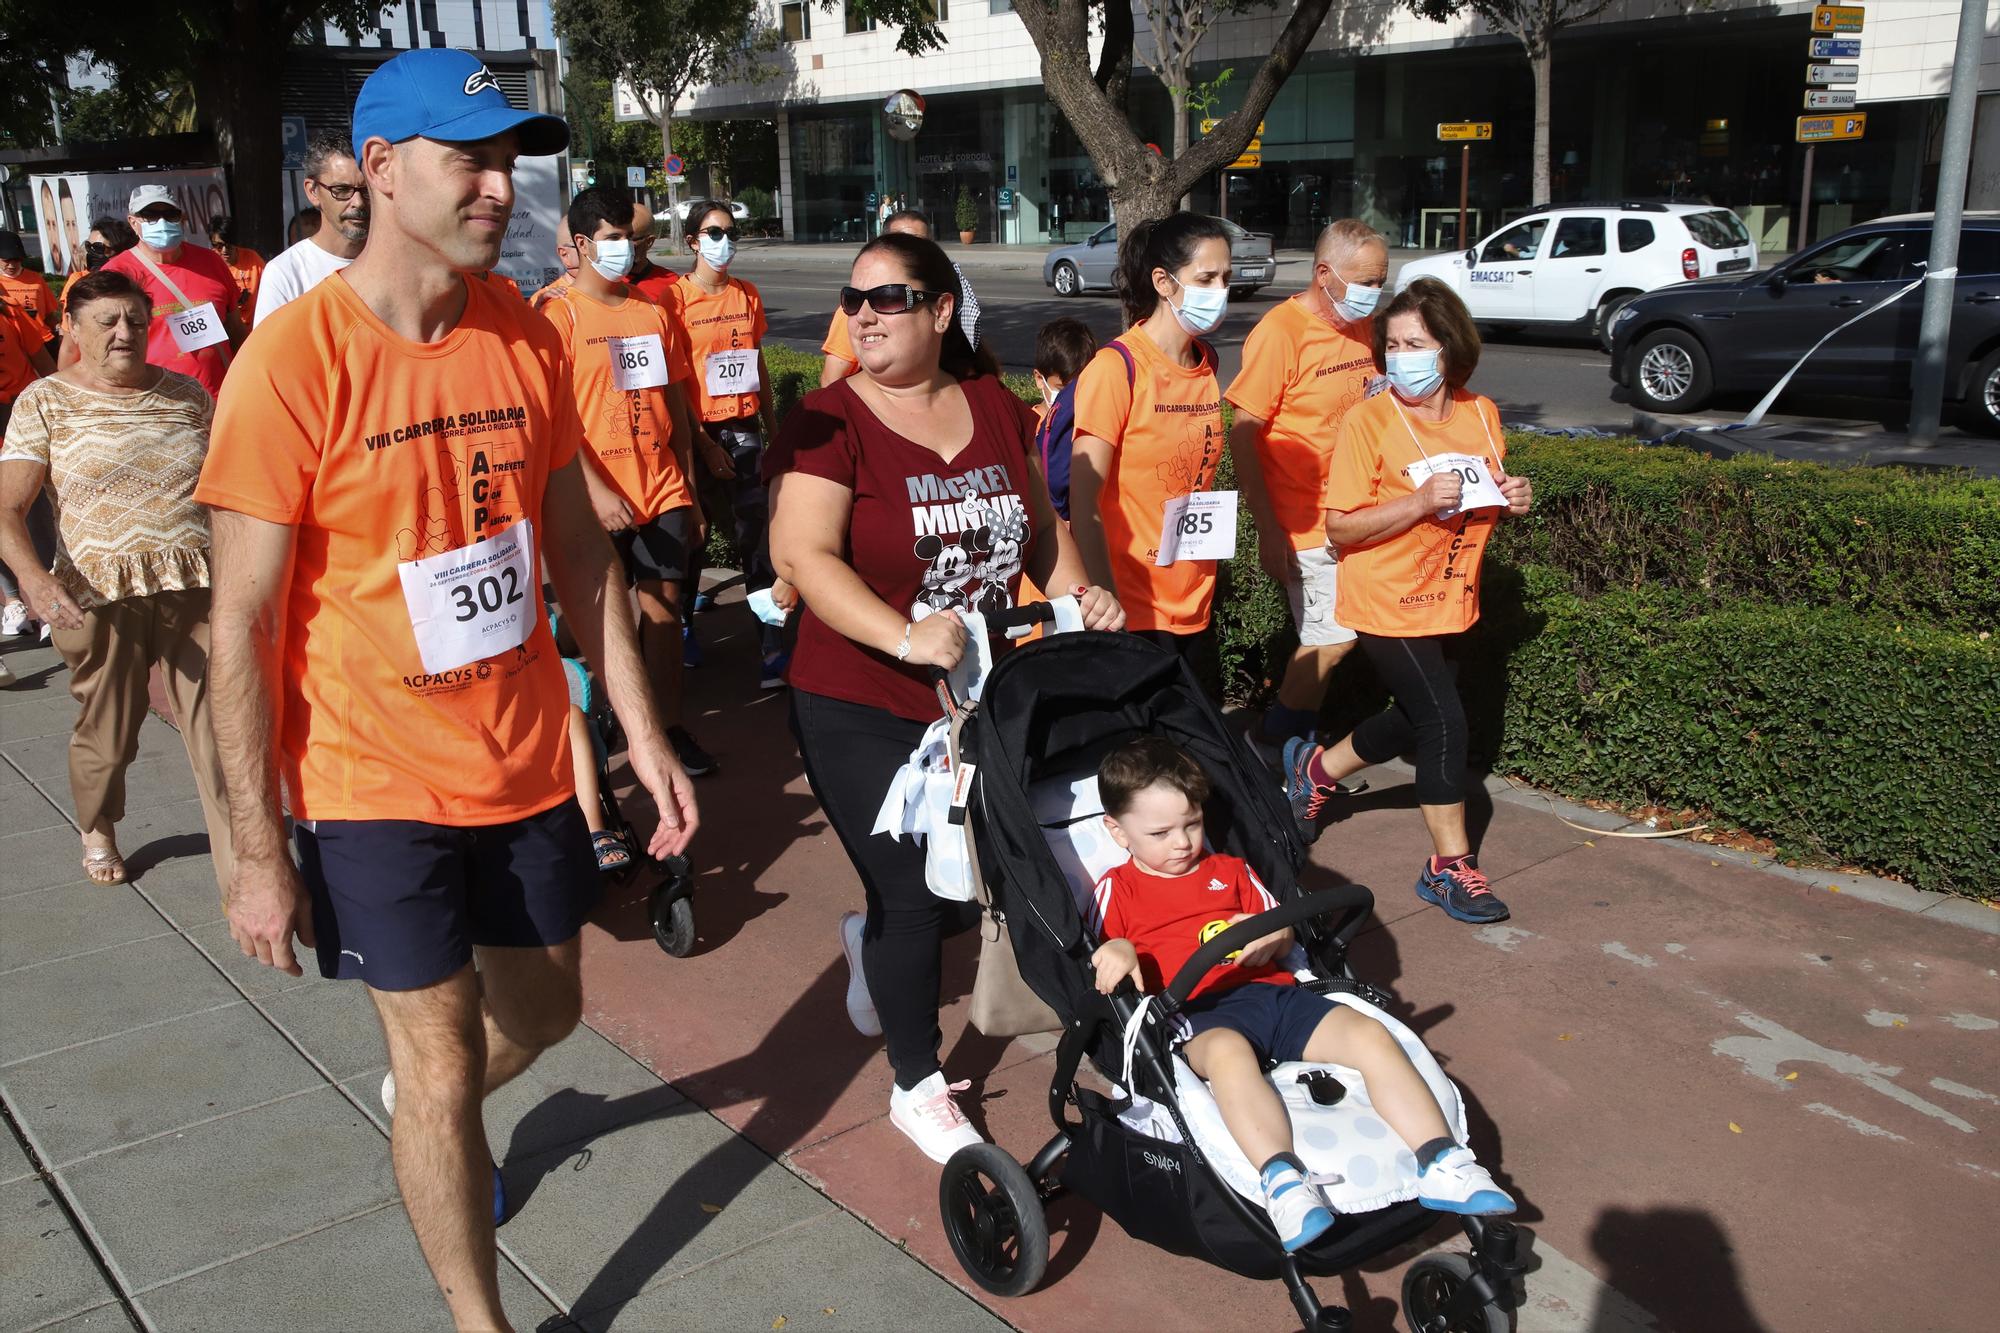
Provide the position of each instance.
(891, 298)
(719, 233)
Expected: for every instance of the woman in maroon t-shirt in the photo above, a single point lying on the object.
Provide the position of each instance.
(907, 486)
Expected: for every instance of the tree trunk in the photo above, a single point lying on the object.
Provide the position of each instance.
(1178, 99)
(243, 113)
(673, 191)
(1541, 65)
(1141, 197)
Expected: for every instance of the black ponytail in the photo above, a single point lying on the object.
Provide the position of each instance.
(1169, 244)
(926, 267)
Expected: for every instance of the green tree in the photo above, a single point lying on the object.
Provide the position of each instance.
(1094, 98)
(662, 48)
(226, 51)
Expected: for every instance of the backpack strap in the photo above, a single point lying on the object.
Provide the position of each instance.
(1131, 367)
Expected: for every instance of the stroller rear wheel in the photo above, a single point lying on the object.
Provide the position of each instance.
(994, 1219)
(1430, 1291)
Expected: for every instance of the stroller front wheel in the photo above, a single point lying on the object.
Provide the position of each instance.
(673, 922)
(994, 1219)
(1435, 1299)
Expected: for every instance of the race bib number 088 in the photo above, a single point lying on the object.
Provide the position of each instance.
(197, 328)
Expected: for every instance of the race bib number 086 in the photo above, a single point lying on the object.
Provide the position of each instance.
(638, 362)
(471, 603)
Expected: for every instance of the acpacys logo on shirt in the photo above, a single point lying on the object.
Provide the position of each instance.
(481, 78)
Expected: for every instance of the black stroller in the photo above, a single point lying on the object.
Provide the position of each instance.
(1050, 711)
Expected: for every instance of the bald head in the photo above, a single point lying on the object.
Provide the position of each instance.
(1341, 242)
(642, 233)
(910, 221)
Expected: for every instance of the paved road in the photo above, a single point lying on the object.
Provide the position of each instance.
(1550, 379)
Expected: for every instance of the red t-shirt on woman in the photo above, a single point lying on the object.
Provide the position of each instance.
(923, 532)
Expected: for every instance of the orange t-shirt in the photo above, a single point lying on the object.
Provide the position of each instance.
(1426, 580)
(838, 343)
(504, 283)
(21, 336)
(248, 270)
(730, 320)
(380, 450)
(1300, 376)
(545, 294)
(1165, 432)
(30, 292)
(629, 432)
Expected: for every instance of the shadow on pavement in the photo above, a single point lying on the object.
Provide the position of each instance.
(1678, 1263)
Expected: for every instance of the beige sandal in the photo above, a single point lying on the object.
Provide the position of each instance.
(104, 865)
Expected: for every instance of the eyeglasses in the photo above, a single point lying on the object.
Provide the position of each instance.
(891, 298)
(340, 193)
(719, 233)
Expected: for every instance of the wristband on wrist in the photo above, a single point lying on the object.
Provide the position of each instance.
(903, 648)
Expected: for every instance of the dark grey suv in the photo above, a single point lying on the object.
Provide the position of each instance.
(1678, 347)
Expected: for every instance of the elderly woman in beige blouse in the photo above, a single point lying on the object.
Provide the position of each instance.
(119, 445)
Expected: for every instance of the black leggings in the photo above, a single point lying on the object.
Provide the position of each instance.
(1199, 650)
(851, 751)
(1425, 716)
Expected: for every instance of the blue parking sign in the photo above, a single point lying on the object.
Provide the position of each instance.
(294, 139)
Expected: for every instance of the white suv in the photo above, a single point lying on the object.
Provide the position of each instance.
(1578, 263)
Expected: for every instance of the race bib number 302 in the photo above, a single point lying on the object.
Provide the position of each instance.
(471, 603)
(638, 362)
(197, 328)
(734, 371)
(1201, 526)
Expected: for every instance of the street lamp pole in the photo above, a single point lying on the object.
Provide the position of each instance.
(1940, 285)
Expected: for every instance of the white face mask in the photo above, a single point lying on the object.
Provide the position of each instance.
(613, 258)
(1201, 308)
(717, 253)
(1359, 302)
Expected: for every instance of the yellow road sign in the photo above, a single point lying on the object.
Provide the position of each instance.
(1838, 18)
(1208, 127)
(1451, 131)
(1824, 129)
(1250, 161)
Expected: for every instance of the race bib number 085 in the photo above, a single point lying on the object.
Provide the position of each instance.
(471, 603)
(1201, 526)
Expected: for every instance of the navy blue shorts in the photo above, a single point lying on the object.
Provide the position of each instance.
(659, 550)
(1277, 1021)
(400, 904)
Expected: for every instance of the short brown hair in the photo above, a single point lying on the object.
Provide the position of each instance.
(102, 285)
(1063, 347)
(1148, 762)
(1445, 318)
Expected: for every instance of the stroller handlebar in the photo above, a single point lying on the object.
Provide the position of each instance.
(1354, 901)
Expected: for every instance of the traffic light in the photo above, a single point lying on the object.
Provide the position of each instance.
(589, 171)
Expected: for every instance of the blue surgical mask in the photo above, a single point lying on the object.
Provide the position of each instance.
(1414, 375)
(613, 259)
(1358, 304)
(717, 253)
(1201, 308)
(161, 233)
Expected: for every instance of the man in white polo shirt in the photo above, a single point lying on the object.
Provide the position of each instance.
(333, 186)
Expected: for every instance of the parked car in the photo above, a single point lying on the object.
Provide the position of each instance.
(1576, 264)
(1091, 265)
(1676, 349)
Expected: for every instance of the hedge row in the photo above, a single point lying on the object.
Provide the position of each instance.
(1615, 515)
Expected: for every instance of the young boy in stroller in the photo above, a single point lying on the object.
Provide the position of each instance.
(1154, 911)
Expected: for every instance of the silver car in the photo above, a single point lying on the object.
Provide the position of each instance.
(1091, 264)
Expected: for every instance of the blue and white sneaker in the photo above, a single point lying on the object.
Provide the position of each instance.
(691, 655)
(1297, 1209)
(1455, 1183)
(1463, 893)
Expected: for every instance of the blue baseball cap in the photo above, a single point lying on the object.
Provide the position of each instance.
(451, 96)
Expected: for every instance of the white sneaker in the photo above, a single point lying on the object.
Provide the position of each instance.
(46, 629)
(389, 1095)
(860, 1005)
(1298, 1210)
(929, 1114)
(14, 619)
(6, 675)
(1456, 1183)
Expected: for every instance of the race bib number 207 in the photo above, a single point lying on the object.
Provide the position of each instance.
(471, 603)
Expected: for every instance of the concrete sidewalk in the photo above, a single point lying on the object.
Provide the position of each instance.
(196, 1142)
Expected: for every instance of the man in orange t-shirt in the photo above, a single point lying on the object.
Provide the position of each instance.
(630, 375)
(1305, 366)
(392, 472)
